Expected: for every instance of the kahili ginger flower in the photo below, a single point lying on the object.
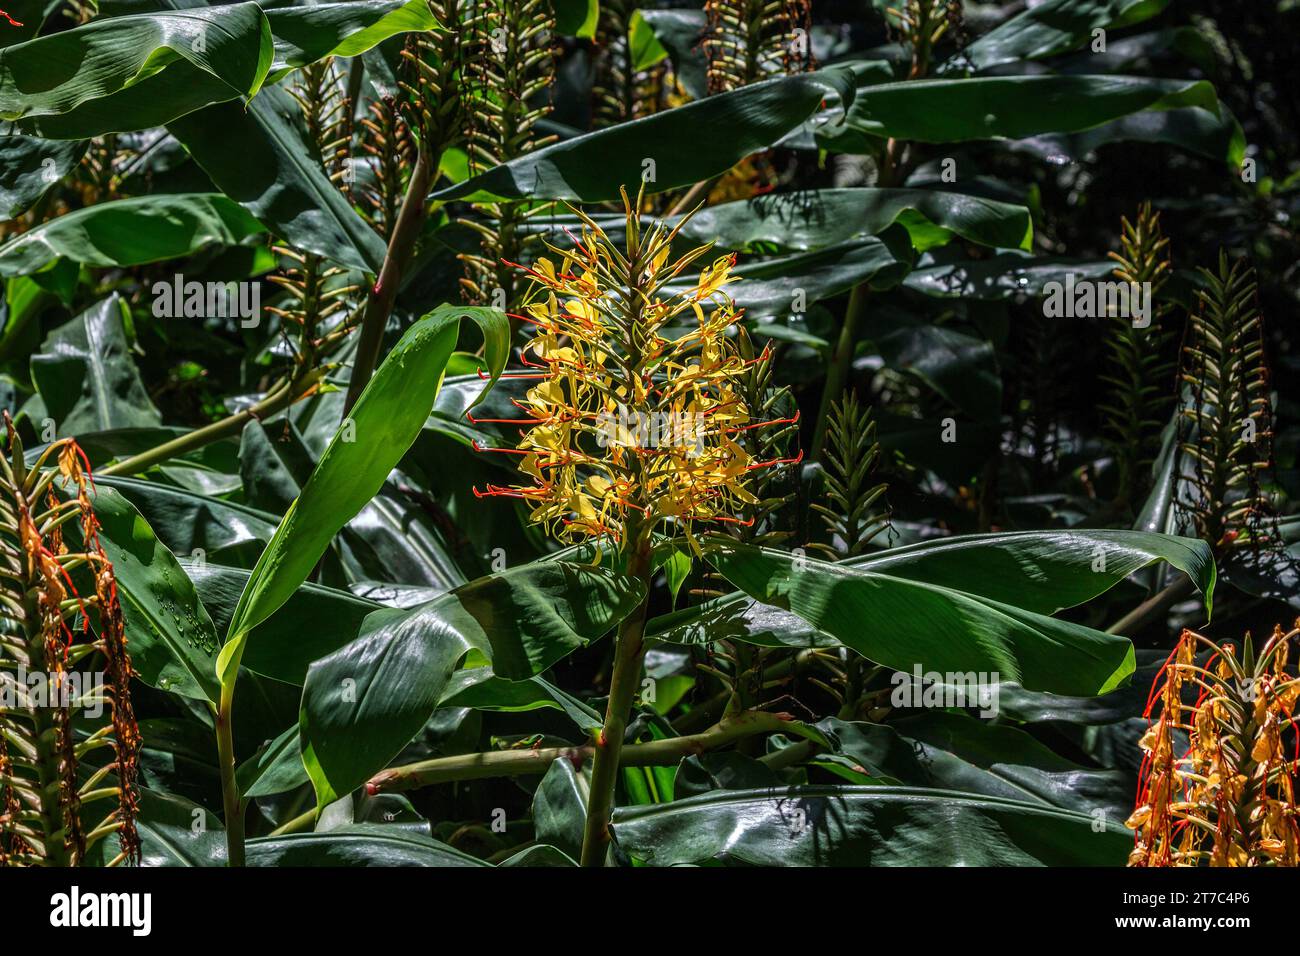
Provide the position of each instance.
(632, 425)
(637, 408)
(1229, 799)
(60, 794)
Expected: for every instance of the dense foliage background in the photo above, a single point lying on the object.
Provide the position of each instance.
(347, 650)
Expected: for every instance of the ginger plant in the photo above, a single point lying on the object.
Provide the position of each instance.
(511, 66)
(752, 40)
(58, 796)
(1229, 799)
(633, 426)
(1141, 373)
(1226, 423)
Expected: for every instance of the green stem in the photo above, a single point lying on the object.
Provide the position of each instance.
(837, 374)
(623, 683)
(401, 243)
(1152, 607)
(234, 810)
(528, 762)
(278, 399)
(303, 821)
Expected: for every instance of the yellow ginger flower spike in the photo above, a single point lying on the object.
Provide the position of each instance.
(633, 419)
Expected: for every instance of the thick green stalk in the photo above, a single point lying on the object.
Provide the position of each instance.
(231, 804)
(278, 399)
(623, 684)
(401, 243)
(837, 374)
(528, 762)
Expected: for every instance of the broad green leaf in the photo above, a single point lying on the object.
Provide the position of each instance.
(1036, 571)
(1000, 276)
(294, 36)
(679, 32)
(305, 34)
(262, 158)
(480, 689)
(130, 232)
(736, 617)
(363, 703)
(905, 624)
(29, 166)
(560, 807)
(383, 424)
(816, 218)
(189, 522)
(1195, 130)
(646, 49)
(277, 768)
(577, 18)
(722, 770)
(539, 856)
(87, 376)
(961, 367)
(313, 622)
(1012, 107)
(362, 844)
(685, 144)
(864, 826)
(1051, 27)
(766, 288)
(54, 74)
(954, 751)
(173, 832)
(1044, 571)
(171, 639)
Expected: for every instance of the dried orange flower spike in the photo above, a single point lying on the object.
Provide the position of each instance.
(1229, 798)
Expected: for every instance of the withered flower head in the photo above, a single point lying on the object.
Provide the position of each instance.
(1229, 799)
(50, 780)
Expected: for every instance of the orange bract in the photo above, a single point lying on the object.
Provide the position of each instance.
(1229, 800)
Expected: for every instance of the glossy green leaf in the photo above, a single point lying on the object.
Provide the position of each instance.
(54, 74)
(313, 622)
(1051, 27)
(577, 18)
(1044, 571)
(277, 768)
(262, 158)
(169, 634)
(814, 219)
(305, 34)
(905, 624)
(560, 807)
(30, 166)
(173, 831)
(87, 376)
(1195, 130)
(1013, 107)
(1000, 276)
(362, 844)
(592, 167)
(383, 424)
(864, 826)
(294, 36)
(953, 751)
(363, 703)
(188, 522)
(131, 232)
(766, 288)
